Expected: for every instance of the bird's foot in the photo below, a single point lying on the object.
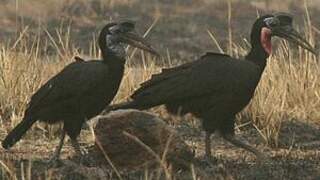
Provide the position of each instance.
(80, 153)
(81, 157)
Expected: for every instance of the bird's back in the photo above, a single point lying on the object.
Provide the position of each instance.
(213, 80)
(80, 89)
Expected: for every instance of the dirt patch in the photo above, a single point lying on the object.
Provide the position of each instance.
(285, 162)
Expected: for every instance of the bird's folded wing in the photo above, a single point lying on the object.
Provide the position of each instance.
(72, 82)
(212, 74)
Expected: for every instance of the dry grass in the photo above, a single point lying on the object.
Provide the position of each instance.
(289, 89)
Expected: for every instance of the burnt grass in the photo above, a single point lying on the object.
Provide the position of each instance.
(181, 29)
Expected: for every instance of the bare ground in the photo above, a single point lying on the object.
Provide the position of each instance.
(297, 157)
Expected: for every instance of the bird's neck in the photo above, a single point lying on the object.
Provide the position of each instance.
(112, 54)
(112, 59)
(258, 56)
(261, 47)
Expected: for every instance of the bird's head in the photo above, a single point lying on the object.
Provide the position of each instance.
(278, 24)
(115, 35)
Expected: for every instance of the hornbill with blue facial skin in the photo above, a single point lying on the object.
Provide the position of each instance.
(82, 89)
(216, 87)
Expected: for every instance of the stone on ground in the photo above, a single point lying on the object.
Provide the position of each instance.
(127, 152)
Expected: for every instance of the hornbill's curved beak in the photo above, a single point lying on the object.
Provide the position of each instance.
(136, 40)
(289, 33)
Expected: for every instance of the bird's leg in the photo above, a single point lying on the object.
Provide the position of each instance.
(231, 138)
(86, 125)
(208, 145)
(57, 152)
(208, 158)
(76, 146)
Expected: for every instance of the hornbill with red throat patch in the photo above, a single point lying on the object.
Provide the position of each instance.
(216, 87)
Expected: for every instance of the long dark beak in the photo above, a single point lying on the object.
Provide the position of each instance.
(292, 35)
(135, 40)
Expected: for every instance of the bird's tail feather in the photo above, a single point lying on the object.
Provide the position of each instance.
(16, 134)
(126, 105)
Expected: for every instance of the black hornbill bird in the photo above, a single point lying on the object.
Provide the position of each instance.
(82, 89)
(216, 87)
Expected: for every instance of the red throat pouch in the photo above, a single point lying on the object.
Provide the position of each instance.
(265, 39)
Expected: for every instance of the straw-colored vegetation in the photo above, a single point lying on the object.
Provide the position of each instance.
(289, 89)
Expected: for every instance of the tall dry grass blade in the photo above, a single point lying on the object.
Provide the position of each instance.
(11, 174)
(108, 159)
(230, 49)
(22, 174)
(169, 60)
(166, 149)
(54, 43)
(17, 15)
(29, 174)
(261, 133)
(316, 29)
(24, 31)
(215, 41)
(154, 154)
(193, 172)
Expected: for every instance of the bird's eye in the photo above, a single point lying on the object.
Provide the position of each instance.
(272, 22)
(115, 29)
